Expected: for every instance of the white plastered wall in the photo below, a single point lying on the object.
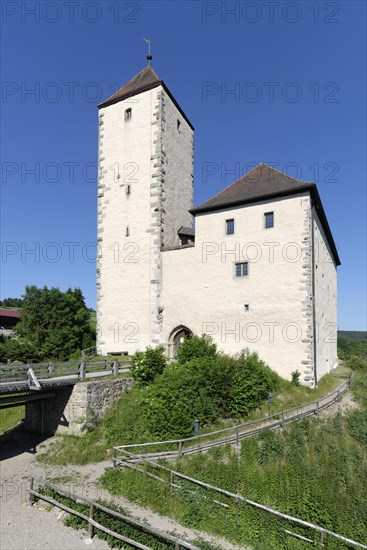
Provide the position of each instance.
(201, 292)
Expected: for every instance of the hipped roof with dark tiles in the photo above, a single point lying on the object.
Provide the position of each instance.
(263, 183)
(146, 80)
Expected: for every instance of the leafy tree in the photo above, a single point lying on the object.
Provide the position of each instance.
(56, 322)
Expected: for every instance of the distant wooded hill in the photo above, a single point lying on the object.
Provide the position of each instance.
(352, 334)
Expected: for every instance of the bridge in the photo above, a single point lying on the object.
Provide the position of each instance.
(46, 391)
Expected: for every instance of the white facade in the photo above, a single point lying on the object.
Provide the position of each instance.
(150, 287)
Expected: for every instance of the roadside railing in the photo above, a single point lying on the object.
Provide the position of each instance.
(172, 478)
(231, 435)
(94, 525)
(34, 373)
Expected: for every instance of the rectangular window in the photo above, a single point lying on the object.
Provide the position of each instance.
(128, 114)
(241, 269)
(230, 227)
(269, 220)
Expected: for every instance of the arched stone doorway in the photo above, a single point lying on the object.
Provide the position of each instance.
(176, 338)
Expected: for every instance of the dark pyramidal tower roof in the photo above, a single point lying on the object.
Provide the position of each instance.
(146, 80)
(264, 183)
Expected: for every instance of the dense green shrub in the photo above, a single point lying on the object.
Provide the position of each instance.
(356, 363)
(194, 347)
(252, 382)
(146, 365)
(205, 388)
(20, 350)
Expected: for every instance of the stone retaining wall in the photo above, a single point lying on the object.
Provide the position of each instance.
(74, 409)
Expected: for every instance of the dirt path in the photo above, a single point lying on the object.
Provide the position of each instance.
(32, 528)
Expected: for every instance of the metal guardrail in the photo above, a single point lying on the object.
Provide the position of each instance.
(94, 525)
(234, 434)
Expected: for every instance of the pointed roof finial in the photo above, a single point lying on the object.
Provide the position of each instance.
(149, 56)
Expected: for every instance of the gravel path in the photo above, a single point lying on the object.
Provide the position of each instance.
(32, 528)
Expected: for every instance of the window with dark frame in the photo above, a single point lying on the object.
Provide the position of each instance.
(241, 269)
(269, 220)
(230, 227)
(128, 114)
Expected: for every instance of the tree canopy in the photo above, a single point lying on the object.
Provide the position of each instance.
(54, 323)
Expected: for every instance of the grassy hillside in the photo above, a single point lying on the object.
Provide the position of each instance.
(314, 469)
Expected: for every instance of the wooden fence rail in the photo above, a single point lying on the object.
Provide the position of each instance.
(323, 532)
(44, 371)
(238, 432)
(92, 524)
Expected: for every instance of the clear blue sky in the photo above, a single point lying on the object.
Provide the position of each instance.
(298, 71)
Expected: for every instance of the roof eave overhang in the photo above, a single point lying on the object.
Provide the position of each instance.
(112, 100)
(311, 188)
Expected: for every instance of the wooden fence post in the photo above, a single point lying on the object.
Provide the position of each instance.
(180, 448)
(82, 370)
(171, 480)
(31, 496)
(115, 368)
(114, 458)
(90, 526)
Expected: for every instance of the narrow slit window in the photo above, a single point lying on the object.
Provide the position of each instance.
(269, 220)
(127, 231)
(128, 114)
(178, 126)
(128, 189)
(241, 269)
(230, 227)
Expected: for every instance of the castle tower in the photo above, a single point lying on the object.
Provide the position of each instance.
(145, 190)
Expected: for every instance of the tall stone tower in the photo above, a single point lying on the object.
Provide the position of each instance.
(145, 190)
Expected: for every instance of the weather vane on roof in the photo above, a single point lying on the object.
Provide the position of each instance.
(149, 57)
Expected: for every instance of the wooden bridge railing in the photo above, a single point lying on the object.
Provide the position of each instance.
(43, 371)
(93, 525)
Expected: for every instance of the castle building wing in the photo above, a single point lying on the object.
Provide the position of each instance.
(264, 183)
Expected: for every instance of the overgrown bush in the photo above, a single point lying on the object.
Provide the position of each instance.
(252, 382)
(194, 347)
(205, 388)
(357, 363)
(146, 365)
(20, 350)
